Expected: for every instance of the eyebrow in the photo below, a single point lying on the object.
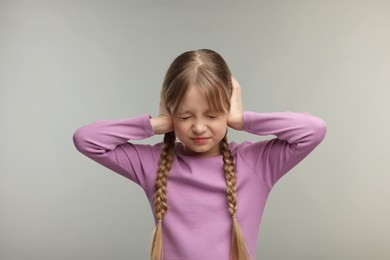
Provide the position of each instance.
(189, 112)
(183, 112)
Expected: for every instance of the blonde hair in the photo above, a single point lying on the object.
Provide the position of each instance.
(208, 70)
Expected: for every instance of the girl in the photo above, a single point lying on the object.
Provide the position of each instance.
(207, 195)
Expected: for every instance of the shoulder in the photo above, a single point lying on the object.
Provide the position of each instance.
(241, 148)
(147, 153)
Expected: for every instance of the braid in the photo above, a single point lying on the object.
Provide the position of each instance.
(160, 192)
(230, 176)
(238, 248)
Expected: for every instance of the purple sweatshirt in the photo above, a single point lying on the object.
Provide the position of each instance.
(197, 225)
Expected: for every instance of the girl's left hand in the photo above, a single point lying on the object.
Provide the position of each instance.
(236, 113)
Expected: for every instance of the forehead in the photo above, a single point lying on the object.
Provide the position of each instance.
(194, 101)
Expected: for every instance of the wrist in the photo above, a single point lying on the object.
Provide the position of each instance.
(238, 127)
(161, 124)
(236, 122)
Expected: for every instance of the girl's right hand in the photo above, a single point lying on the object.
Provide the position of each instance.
(163, 122)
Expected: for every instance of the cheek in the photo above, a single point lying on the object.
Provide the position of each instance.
(180, 131)
(220, 128)
(179, 127)
(221, 124)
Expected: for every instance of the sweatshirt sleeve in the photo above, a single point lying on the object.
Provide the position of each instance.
(297, 134)
(106, 142)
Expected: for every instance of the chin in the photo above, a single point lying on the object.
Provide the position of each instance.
(202, 151)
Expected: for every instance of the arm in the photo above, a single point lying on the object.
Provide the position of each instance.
(297, 134)
(105, 141)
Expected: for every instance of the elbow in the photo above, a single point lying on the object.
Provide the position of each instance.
(85, 141)
(79, 140)
(319, 129)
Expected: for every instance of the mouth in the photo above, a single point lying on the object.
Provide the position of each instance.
(199, 140)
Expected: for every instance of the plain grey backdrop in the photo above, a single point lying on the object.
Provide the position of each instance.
(64, 64)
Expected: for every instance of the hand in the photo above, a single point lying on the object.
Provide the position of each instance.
(163, 122)
(236, 113)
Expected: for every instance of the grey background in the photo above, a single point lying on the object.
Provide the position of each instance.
(64, 64)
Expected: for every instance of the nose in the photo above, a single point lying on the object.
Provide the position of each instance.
(199, 127)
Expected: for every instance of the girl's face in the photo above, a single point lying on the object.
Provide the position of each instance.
(198, 128)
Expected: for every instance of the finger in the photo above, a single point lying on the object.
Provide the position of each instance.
(163, 109)
(236, 94)
(235, 83)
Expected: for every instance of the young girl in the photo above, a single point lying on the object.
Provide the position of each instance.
(207, 195)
